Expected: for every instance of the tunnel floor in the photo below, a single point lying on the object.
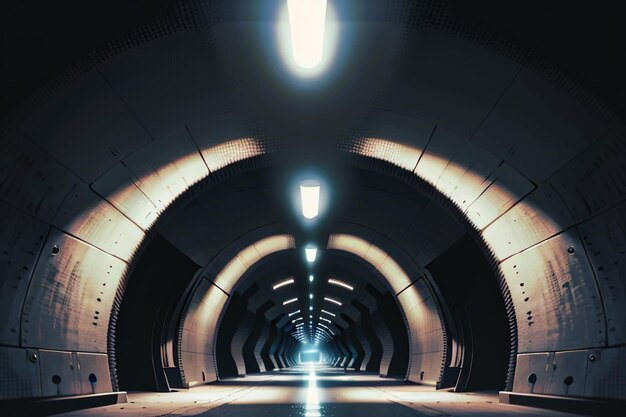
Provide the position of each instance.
(313, 391)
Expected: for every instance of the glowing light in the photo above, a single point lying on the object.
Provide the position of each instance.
(310, 198)
(329, 313)
(332, 300)
(311, 254)
(340, 284)
(327, 328)
(293, 300)
(325, 319)
(295, 320)
(307, 22)
(283, 283)
(310, 308)
(311, 296)
(294, 312)
(310, 278)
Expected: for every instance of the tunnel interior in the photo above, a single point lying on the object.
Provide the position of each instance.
(431, 208)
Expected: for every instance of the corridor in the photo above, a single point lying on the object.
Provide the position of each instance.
(312, 208)
(314, 391)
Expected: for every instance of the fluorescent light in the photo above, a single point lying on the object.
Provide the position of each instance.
(327, 328)
(299, 325)
(295, 320)
(325, 319)
(310, 308)
(307, 21)
(311, 254)
(283, 283)
(311, 296)
(310, 278)
(329, 313)
(332, 300)
(293, 300)
(340, 283)
(310, 197)
(294, 312)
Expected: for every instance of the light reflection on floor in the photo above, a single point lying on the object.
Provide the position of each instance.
(313, 391)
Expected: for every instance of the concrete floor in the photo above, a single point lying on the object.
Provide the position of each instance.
(313, 392)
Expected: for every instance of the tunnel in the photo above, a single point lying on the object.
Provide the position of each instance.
(312, 207)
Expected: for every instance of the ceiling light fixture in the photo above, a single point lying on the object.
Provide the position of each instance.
(294, 312)
(311, 254)
(295, 320)
(329, 313)
(293, 300)
(332, 300)
(283, 283)
(307, 22)
(310, 198)
(310, 278)
(340, 283)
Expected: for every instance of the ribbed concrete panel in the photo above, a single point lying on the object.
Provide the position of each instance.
(280, 352)
(537, 217)
(198, 368)
(373, 364)
(506, 187)
(604, 239)
(251, 356)
(596, 179)
(70, 296)
(606, 377)
(40, 191)
(267, 353)
(426, 367)
(592, 373)
(189, 82)
(200, 322)
(21, 240)
(239, 339)
(86, 118)
(426, 327)
(382, 332)
(456, 167)
(556, 297)
(119, 188)
(93, 374)
(259, 346)
(58, 373)
(467, 74)
(167, 167)
(95, 221)
(537, 140)
(367, 349)
(20, 375)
